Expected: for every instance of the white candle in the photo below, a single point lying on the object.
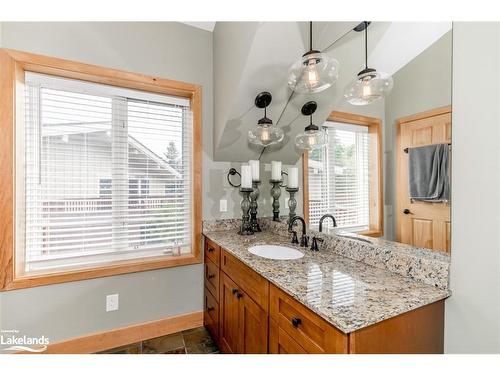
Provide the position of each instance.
(255, 169)
(246, 177)
(276, 170)
(293, 177)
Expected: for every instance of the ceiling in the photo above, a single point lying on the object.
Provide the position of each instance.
(208, 26)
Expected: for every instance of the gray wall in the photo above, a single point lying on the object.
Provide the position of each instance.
(421, 85)
(472, 323)
(170, 50)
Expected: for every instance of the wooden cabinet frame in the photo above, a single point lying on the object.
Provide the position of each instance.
(13, 65)
(376, 220)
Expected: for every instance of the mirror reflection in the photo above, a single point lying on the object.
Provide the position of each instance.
(385, 169)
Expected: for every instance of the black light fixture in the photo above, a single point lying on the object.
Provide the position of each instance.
(264, 133)
(369, 85)
(314, 72)
(313, 137)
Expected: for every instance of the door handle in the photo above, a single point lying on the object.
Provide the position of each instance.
(406, 211)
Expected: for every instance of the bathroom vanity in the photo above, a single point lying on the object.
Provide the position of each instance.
(325, 302)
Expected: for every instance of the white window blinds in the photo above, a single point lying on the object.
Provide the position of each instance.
(339, 177)
(107, 174)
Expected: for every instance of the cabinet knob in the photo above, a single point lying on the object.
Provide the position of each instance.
(211, 276)
(296, 322)
(210, 249)
(210, 308)
(239, 295)
(235, 290)
(406, 211)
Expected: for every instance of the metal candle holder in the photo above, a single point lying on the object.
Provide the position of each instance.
(246, 225)
(292, 202)
(254, 195)
(275, 193)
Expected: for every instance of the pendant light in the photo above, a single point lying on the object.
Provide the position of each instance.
(312, 138)
(314, 72)
(369, 85)
(264, 133)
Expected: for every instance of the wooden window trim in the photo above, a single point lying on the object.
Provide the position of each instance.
(376, 221)
(13, 65)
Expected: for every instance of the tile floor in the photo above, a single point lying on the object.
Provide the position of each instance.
(192, 341)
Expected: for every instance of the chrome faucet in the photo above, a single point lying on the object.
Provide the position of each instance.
(323, 218)
(304, 239)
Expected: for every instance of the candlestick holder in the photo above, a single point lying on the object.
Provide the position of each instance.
(292, 202)
(254, 195)
(246, 226)
(275, 193)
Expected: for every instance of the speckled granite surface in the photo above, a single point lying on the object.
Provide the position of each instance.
(430, 267)
(348, 293)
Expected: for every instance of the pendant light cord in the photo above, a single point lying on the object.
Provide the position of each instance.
(310, 36)
(366, 45)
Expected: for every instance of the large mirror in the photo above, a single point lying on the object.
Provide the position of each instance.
(385, 170)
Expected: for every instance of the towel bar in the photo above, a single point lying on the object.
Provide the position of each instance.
(406, 148)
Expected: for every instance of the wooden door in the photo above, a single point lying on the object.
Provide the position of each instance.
(422, 224)
(252, 321)
(229, 310)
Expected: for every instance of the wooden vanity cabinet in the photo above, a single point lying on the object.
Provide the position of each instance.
(309, 331)
(246, 314)
(236, 303)
(211, 311)
(243, 323)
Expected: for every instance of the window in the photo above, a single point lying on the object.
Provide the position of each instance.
(344, 177)
(76, 131)
(84, 188)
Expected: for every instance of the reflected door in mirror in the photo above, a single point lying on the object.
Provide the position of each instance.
(422, 224)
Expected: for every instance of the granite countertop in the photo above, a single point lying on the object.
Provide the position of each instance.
(347, 293)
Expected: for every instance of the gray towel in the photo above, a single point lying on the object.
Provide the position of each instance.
(428, 168)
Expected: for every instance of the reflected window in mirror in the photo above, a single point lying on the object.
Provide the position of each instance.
(344, 178)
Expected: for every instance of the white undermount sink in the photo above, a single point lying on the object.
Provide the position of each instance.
(276, 252)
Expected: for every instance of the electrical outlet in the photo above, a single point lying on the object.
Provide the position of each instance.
(112, 302)
(223, 205)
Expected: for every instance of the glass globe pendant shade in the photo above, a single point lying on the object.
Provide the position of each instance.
(265, 134)
(368, 87)
(311, 139)
(313, 73)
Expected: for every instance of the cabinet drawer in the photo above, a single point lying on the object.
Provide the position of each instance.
(212, 251)
(309, 330)
(212, 278)
(250, 281)
(281, 342)
(211, 315)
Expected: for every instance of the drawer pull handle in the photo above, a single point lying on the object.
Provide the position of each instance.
(235, 291)
(239, 295)
(210, 308)
(211, 276)
(210, 249)
(296, 322)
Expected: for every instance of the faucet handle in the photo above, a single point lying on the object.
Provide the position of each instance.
(304, 240)
(314, 245)
(295, 239)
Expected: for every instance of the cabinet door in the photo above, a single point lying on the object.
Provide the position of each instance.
(228, 302)
(252, 323)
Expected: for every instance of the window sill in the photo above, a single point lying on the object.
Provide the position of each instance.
(109, 269)
(371, 233)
